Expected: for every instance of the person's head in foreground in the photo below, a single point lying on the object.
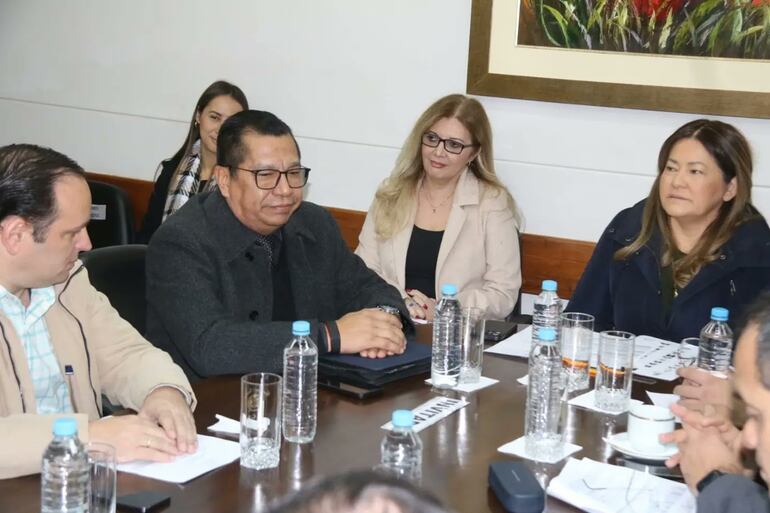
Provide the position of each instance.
(752, 381)
(360, 492)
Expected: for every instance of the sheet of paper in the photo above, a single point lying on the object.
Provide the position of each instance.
(483, 382)
(226, 425)
(517, 344)
(212, 453)
(430, 412)
(602, 488)
(653, 357)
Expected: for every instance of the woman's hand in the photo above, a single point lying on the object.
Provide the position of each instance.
(424, 303)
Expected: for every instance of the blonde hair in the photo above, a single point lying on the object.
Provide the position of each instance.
(396, 195)
(733, 155)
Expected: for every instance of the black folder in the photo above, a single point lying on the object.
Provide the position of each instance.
(357, 370)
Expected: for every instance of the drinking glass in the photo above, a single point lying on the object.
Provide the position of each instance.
(615, 370)
(688, 351)
(577, 330)
(101, 463)
(260, 420)
(472, 326)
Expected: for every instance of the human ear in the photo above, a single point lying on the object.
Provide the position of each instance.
(222, 175)
(12, 232)
(732, 189)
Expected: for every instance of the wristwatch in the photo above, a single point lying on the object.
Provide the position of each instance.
(708, 479)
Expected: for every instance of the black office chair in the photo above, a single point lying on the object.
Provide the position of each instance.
(112, 216)
(118, 272)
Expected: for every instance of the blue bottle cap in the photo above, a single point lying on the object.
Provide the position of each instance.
(300, 328)
(403, 418)
(550, 285)
(546, 334)
(66, 426)
(448, 289)
(719, 314)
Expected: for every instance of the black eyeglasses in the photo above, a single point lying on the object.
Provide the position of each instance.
(432, 140)
(268, 179)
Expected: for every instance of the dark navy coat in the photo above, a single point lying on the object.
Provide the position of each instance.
(626, 294)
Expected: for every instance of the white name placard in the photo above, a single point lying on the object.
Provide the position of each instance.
(430, 412)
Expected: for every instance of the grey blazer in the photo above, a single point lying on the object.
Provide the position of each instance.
(733, 494)
(209, 287)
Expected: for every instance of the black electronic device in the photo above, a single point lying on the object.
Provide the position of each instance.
(143, 502)
(357, 390)
(495, 331)
(516, 487)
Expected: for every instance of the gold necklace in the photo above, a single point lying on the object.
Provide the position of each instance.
(429, 199)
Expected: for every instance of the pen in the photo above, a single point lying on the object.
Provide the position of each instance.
(69, 372)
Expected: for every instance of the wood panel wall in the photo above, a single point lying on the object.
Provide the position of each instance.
(542, 257)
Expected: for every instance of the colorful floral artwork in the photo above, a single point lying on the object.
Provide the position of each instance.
(706, 28)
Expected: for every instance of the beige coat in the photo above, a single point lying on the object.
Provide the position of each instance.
(82, 325)
(479, 250)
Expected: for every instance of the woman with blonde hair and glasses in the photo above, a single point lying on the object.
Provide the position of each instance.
(443, 216)
(189, 171)
(696, 242)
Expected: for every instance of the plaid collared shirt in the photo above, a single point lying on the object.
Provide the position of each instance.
(51, 390)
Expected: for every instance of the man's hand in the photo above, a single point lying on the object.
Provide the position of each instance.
(168, 407)
(134, 438)
(701, 390)
(372, 333)
(705, 444)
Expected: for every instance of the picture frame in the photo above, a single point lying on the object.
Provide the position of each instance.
(532, 78)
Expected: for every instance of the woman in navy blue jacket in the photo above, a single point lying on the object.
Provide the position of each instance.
(696, 242)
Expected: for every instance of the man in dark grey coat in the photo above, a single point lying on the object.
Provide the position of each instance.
(228, 273)
(710, 446)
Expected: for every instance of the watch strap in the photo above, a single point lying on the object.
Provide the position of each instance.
(708, 479)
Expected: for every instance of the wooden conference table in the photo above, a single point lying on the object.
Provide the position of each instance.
(456, 451)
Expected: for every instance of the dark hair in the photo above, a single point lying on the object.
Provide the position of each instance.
(28, 174)
(727, 145)
(347, 493)
(758, 314)
(218, 88)
(230, 148)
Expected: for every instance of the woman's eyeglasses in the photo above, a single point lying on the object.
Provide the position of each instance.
(432, 140)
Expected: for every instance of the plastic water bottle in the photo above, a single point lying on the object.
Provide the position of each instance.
(544, 392)
(716, 343)
(401, 448)
(300, 385)
(65, 485)
(547, 310)
(447, 351)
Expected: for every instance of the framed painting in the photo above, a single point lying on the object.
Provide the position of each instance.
(697, 56)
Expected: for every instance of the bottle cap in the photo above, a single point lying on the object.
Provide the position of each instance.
(448, 289)
(403, 418)
(550, 285)
(65, 427)
(719, 314)
(546, 334)
(300, 328)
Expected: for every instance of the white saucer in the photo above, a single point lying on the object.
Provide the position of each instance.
(620, 442)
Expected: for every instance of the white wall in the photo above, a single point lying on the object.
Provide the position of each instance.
(113, 85)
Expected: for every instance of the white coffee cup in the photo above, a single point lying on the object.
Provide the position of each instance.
(646, 422)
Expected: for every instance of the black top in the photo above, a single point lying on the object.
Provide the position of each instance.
(153, 216)
(421, 260)
(283, 298)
